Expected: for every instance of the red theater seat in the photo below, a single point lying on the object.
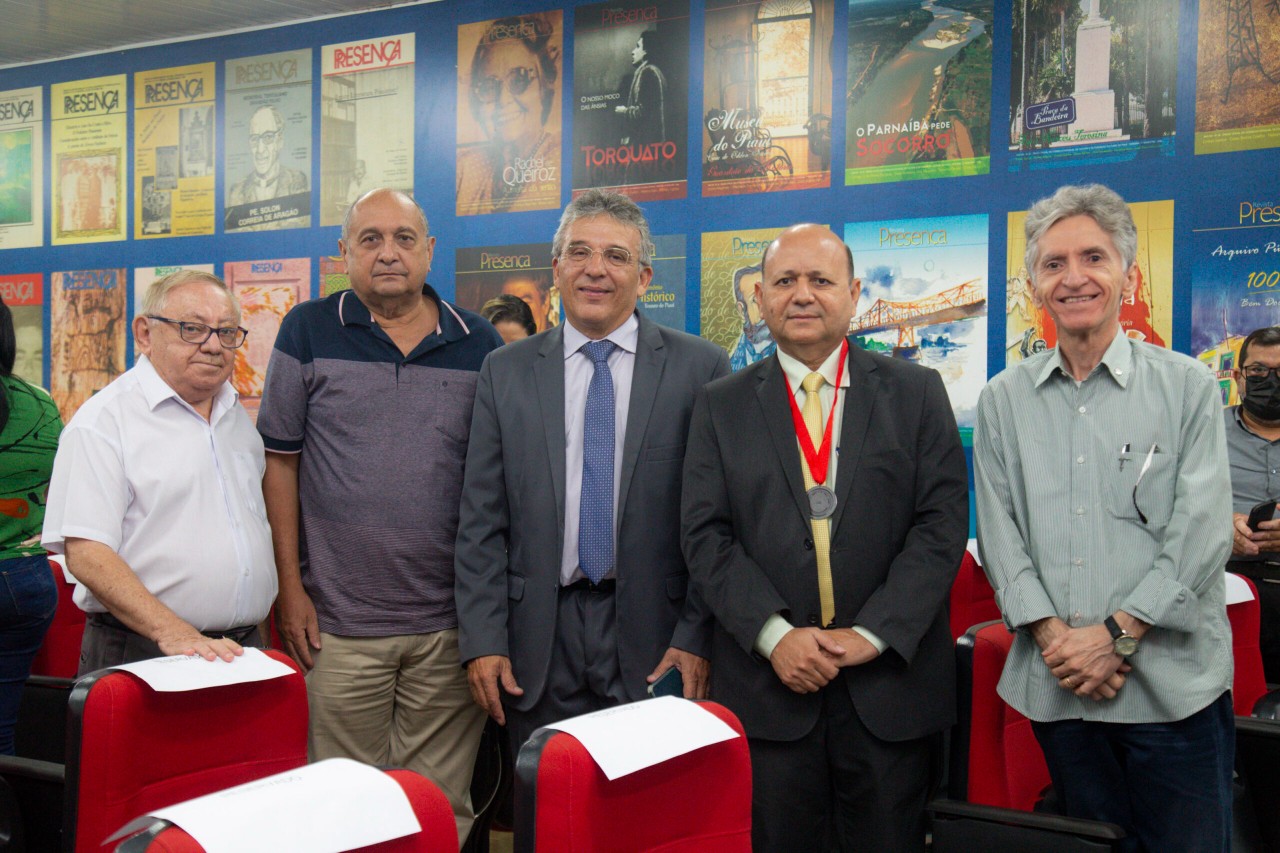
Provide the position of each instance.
(972, 598)
(59, 654)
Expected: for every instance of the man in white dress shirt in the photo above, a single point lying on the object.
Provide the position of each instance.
(156, 496)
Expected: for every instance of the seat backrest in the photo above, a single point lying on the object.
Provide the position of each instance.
(439, 832)
(131, 749)
(1000, 760)
(972, 598)
(1249, 683)
(59, 653)
(699, 801)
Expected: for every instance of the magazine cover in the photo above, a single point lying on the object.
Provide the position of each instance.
(664, 300)
(730, 313)
(266, 290)
(268, 141)
(88, 145)
(21, 168)
(631, 98)
(509, 81)
(173, 151)
(366, 121)
(924, 299)
(333, 274)
(24, 294)
(918, 102)
(87, 308)
(1147, 316)
(1235, 282)
(144, 277)
(767, 96)
(522, 270)
(1090, 88)
(1238, 76)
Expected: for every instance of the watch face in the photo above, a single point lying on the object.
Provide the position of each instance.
(1126, 645)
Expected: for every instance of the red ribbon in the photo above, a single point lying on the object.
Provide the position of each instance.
(817, 460)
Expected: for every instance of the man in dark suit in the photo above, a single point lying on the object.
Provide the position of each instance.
(825, 514)
(571, 589)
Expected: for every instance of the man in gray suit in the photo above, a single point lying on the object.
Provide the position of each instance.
(571, 590)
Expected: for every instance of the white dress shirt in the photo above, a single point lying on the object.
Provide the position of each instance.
(177, 497)
(578, 370)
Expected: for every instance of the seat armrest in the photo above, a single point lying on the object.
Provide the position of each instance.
(1267, 707)
(1094, 829)
(15, 767)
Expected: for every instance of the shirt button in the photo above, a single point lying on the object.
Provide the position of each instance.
(1077, 561)
(1079, 460)
(1079, 510)
(1082, 410)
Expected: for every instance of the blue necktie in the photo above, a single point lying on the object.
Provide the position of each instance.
(595, 512)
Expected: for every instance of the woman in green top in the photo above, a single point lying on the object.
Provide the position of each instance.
(29, 429)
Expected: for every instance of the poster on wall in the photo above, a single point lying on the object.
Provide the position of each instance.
(509, 82)
(521, 270)
(21, 168)
(366, 121)
(767, 96)
(631, 98)
(88, 145)
(24, 294)
(268, 141)
(924, 299)
(1146, 316)
(1235, 282)
(664, 300)
(1238, 77)
(918, 99)
(729, 312)
(173, 151)
(87, 307)
(1089, 88)
(333, 274)
(144, 277)
(266, 290)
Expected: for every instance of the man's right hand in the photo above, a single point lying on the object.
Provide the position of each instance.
(805, 659)
(484, 674)
(299, 628)
(1248, 543)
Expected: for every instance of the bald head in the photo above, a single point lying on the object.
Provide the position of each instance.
(805, 227)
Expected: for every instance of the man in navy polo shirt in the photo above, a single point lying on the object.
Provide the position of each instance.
(365, 418)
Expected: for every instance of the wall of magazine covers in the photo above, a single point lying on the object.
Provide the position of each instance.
(919, 130)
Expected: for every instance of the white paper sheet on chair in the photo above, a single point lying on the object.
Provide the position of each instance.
(326, 807)
(641, 734)
(192, 672)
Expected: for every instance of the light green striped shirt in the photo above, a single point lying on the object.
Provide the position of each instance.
(1060, 526)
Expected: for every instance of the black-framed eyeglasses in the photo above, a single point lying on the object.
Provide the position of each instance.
(268, 137)
(1259, 371)
(615, 256)
(517, 80)
(231, 337)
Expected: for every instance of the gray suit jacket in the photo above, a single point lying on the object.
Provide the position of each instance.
(511, 530)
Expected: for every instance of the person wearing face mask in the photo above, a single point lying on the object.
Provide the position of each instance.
(1253, 447)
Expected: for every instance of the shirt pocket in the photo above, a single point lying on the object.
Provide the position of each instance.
(247, 478)
(1133, 494)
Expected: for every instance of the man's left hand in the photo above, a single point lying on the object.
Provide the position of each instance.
(1082, 659)
(857, 648)
(695, 672)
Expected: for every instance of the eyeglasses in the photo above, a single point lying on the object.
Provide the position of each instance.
(614, 256)
(267, 138)
(230, 337)
(1259, 371)
(489, 89)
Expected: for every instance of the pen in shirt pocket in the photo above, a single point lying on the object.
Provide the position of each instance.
(1124, 454)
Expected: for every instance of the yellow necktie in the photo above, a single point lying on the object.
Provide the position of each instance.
(812, 413)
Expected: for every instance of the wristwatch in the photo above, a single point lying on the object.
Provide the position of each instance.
(1122, 642)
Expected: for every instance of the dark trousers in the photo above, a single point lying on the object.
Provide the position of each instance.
(107, 642)
(1266, 577)
(1167, 784)
(839, 788)
(28, 600)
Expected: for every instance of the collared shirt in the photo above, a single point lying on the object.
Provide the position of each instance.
(28, 443)
(578, 370)
(179, 498)
(1065, 471)
(1255, 463)
(383, 438)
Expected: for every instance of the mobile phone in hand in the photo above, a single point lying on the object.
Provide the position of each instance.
(1260, 513)
(670, 683)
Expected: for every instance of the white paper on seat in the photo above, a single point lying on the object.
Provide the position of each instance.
(641, 734)
(1237, 589)
(327, 807)
(191, 672)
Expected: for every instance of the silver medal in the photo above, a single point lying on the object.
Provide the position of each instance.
(822, 502)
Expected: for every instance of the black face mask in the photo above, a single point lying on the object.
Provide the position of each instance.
(1262, 396)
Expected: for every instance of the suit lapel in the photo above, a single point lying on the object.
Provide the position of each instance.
(548, 378)
(772, 396)
(650, 358)
(859, 397)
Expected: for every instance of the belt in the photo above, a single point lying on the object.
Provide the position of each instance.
(605, 586)
(106, 620)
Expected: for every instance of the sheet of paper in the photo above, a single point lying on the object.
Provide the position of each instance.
(1237, 589)
(327, 807)
(632, 737)
(192, 672)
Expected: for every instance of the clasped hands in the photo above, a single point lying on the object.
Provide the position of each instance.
(1082, 659)
(806, 659)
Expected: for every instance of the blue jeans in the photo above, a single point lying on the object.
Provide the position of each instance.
(1167, 784)
(28, 599)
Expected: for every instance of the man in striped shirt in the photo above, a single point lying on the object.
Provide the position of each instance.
(1104, 522)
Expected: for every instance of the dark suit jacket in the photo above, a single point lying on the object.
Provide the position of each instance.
(511, 530)
(897, 537)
